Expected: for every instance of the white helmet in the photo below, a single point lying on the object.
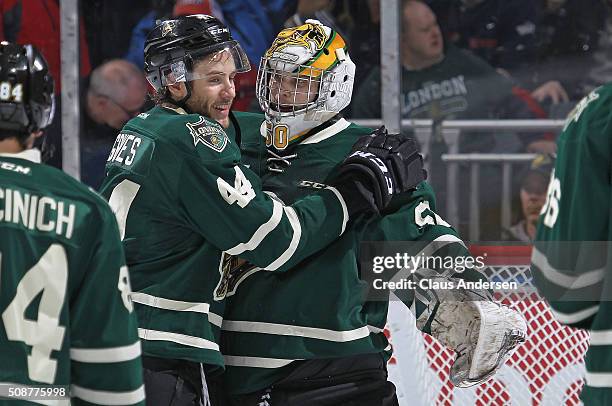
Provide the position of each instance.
(305, 78)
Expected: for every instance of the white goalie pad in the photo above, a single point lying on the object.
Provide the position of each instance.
(484, 334)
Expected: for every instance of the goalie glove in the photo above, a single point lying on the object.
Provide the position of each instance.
(484, 334)
(379, 166)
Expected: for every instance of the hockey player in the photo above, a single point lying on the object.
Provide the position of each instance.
(185, 203)
(571, 254)
(308, 337)
(66, 318)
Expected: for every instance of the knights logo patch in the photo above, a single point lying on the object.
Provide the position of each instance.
(233, 272)
(208, 133)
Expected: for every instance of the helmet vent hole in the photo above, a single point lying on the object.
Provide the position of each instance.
(345, 78)
(333, 93)
(326, 51)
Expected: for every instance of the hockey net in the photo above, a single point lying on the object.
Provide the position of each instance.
(548, 369)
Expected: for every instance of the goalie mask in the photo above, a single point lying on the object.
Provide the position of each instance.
(26, 91)
(174, 46)
(305, 78)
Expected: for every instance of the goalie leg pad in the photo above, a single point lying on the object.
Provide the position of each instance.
(484, 334)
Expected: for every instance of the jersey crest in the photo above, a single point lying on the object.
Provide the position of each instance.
(207, 133)
(234, 271)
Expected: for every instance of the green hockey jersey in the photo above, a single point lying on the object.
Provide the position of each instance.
(186, 209)
(65, 314)
(317, 310)
(571, 261)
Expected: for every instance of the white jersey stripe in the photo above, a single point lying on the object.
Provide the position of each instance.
(257, 362)
(374, 329)
(106, 355)
(261, 232)
(561, 279)
(571, 318)
(600, 337)
(169, 304)
(297, 331)
(215, 319)
(295, 240)
(108, 398)
(156, 335)
(344, 208)
(599, 379)
(330, 131)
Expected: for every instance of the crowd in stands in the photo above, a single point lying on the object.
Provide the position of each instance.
(460, 59)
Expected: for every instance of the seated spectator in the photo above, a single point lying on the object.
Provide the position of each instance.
(451, 84)
(117, 92)
(454, 84)
(532, 197)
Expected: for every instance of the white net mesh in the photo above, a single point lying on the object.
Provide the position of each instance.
(547, 370)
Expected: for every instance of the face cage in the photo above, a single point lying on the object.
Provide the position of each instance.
(181, 70)
(280, 73)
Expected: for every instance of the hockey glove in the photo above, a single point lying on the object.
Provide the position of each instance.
(380, 165)
(484, 335)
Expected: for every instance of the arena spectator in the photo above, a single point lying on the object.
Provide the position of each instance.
(116, 93)
(532, 198)
(454, 84)
(445, 84)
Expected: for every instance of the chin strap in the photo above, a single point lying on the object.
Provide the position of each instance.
(183, 102)
(238, 132)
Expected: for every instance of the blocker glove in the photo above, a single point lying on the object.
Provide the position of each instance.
(379, 166)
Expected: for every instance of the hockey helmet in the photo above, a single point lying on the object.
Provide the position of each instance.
(173, 47)
(304, 79)
(27, 103)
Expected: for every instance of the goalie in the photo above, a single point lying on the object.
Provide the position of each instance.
(307, 336)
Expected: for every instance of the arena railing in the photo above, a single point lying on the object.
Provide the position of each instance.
(452, 129)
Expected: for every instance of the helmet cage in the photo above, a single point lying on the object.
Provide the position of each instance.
(277, 76)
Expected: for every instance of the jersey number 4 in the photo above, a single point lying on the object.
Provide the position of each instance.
(49, 276)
